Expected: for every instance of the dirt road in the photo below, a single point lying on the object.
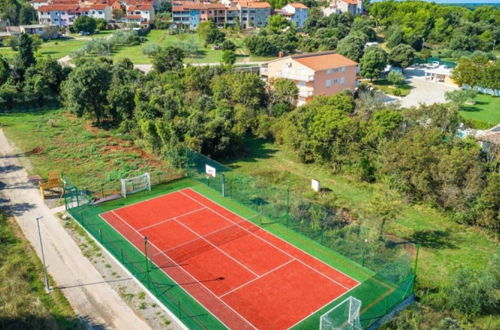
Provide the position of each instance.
(93, 300)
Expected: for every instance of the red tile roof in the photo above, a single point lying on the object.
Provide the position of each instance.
(298, 5)
(134, 16)
(351, 2)
(58, 7)
(323, 60)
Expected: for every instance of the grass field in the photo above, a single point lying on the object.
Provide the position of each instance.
(445, 245)
(55, 140)
(23, 301)
(60, 48)
(388, 88)
(485, 113)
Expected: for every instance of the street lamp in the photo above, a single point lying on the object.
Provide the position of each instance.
(47, 287)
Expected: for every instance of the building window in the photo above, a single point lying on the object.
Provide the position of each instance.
(329, 71)
(328, 83)
(343, 69)
(342, 80)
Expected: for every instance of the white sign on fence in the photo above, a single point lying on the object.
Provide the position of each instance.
(315, 185)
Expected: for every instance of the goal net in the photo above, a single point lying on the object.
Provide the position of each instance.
(344, 316)
(135, 184)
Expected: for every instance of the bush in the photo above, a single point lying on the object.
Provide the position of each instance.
(396, 78)
(151, 49)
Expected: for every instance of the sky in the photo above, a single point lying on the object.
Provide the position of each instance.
(458, 1)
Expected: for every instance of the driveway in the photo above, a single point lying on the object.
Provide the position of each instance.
(423, 91)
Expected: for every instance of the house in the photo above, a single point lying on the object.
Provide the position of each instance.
(44, 31)
(98, 11)
(254, 14)
(295, 12)
(490, 141)
(58, 14)
(248, 14)
(322, 73)
(140, 13)
(355, 7)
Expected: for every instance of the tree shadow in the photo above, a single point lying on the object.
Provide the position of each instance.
(253, 150)
(473, 107)
(434, 239)
(17, 209)
(55, 321)
(10, 168)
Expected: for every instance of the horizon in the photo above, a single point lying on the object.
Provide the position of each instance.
(456, 1)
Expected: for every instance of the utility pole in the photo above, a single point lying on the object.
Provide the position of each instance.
(47, 287)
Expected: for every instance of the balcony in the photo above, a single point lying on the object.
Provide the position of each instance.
(306, 91)
(293, 76)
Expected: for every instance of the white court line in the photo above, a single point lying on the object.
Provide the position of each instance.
(305, 264)
(189, 274)
(268, 232)
(257, 278)
(216, 247)
(170, 219)
(197, 239)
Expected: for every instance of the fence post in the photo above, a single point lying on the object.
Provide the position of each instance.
(121, 255)
(223, 184)
(146, 259)
(416, 260)
(100, 235)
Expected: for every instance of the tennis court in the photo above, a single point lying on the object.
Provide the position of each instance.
(245, 276)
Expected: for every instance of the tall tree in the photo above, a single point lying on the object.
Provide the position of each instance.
(25, 57)
(373, 62)
(351, 47)
(402, 56)
(168, 59)
(85, 90)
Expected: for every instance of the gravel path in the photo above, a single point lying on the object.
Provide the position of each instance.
(92, 298)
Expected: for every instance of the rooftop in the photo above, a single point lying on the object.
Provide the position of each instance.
(323, 60)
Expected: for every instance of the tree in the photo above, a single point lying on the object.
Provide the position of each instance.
(385, 206)
(85, 90)
(402, 56)
(459, 97)
(228, 57)
(228, 45)
(118, 14)
(394, 36)
(396, 77)
(168, 59)
(352, 47)
(373, 62)
(277, 23)
(85, 24)
(36, 41)
(5, 71)
(215, 36)
(25, 57)
(261, 45)
(204, 28)
(282, 94)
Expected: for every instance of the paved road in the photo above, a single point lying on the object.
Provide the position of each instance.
(88, 293)
(424, 91)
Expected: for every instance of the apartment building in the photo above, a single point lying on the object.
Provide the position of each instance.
(248, 14)
(322, 73)
(355, 7)
(295, 12)
(65, 12)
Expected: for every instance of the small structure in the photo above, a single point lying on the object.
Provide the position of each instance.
(355, 7)
(53, 181)
(490, 141)
(440, 74)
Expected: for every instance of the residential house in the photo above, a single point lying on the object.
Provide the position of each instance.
(248, 14)
(58, 14)
(254, 14)
(295, 12)
(44, 31)
(355, 7)
(98, 11)
(141, 13)
(322, 73)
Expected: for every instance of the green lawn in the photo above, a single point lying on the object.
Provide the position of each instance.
(388, 88)
(445, 245)
(485, 113)
(63, 47)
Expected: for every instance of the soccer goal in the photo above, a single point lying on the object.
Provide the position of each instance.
(136, 184)
(344, 316)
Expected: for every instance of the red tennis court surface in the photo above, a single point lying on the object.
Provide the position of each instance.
(245, 276)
